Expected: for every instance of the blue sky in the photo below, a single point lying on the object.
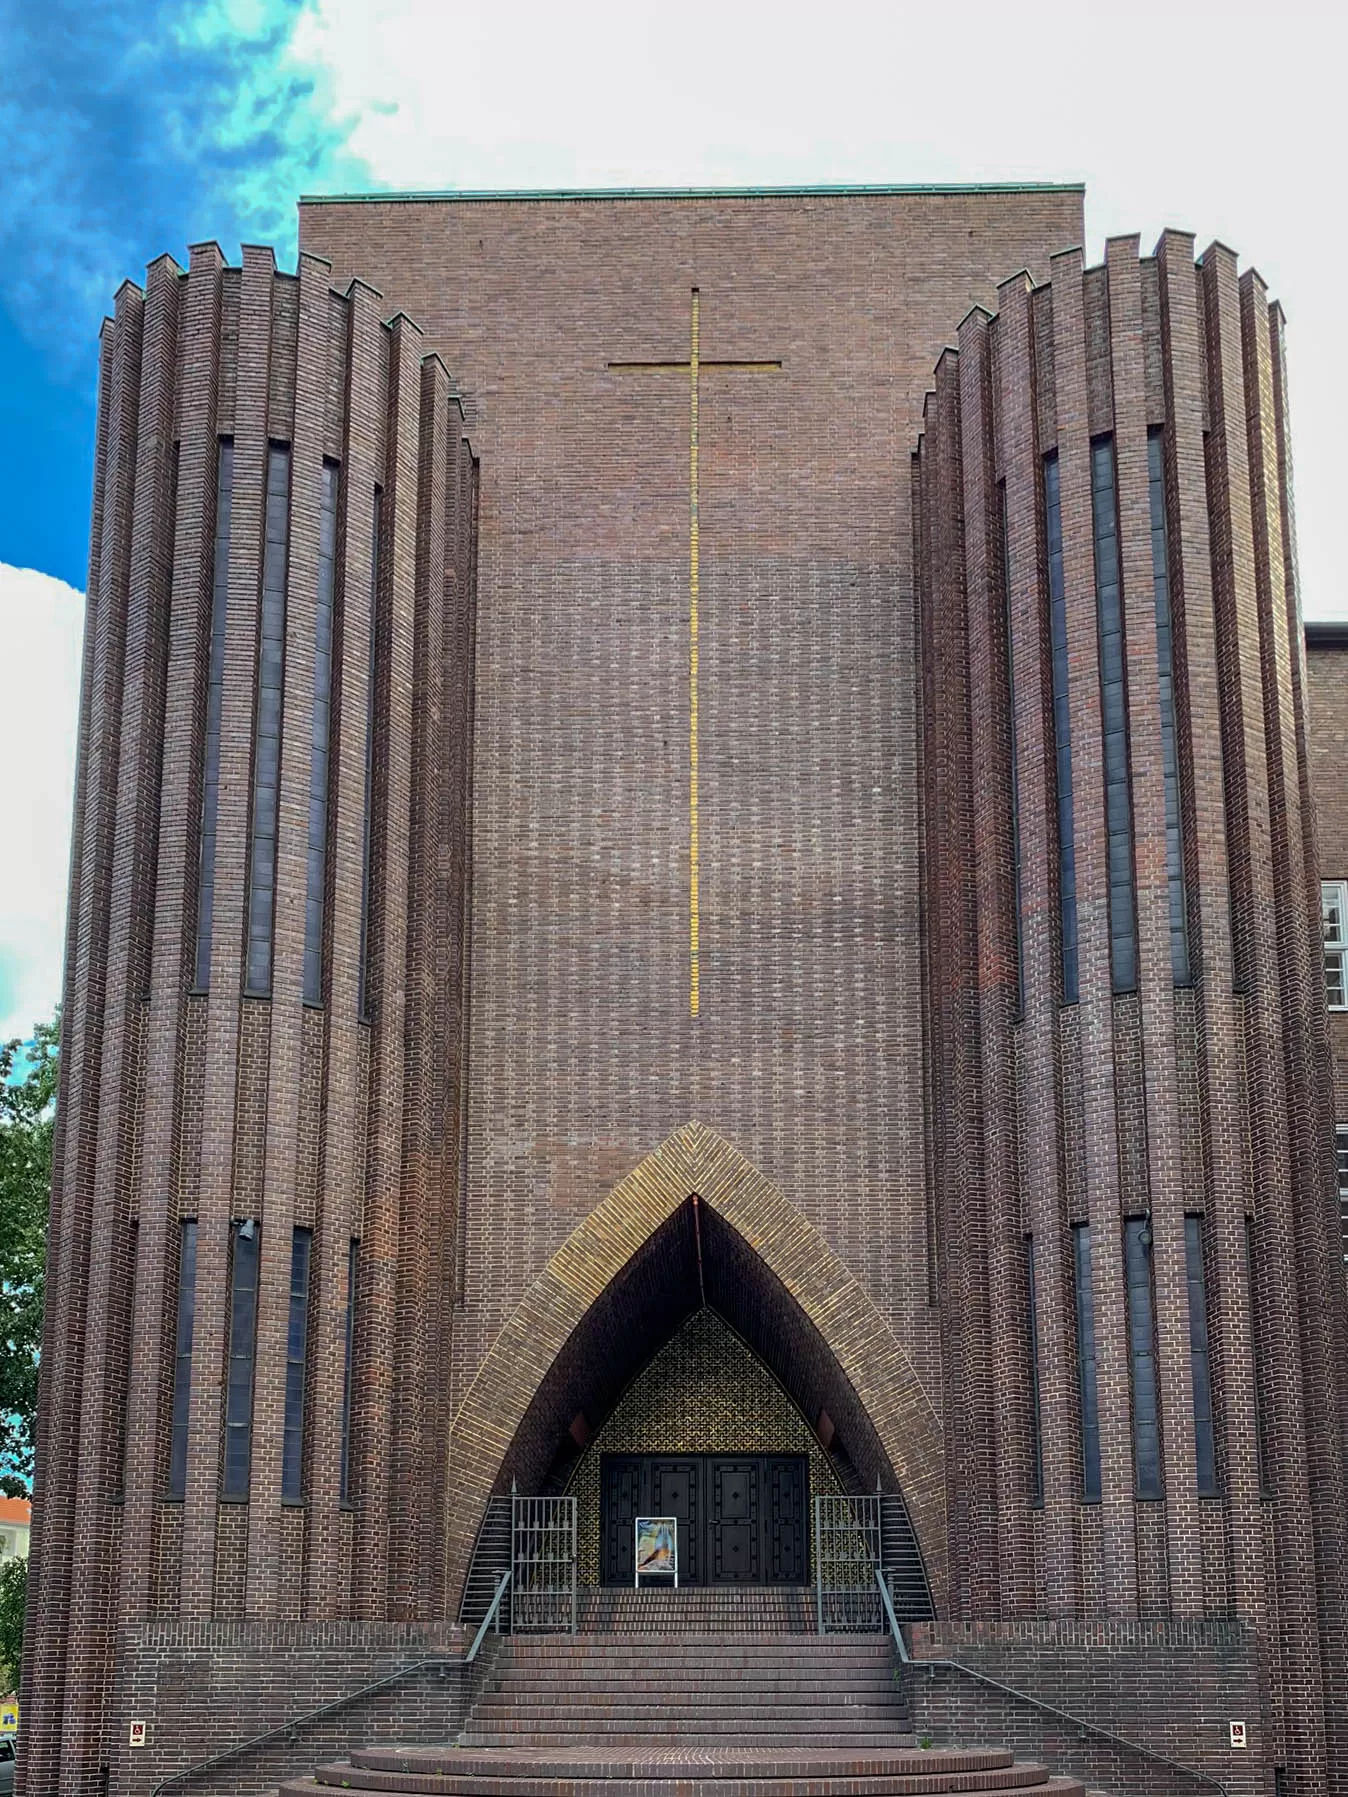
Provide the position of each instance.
(127, 130)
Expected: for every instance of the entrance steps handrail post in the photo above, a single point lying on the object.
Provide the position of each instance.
(493, 1615)
(890, 1617)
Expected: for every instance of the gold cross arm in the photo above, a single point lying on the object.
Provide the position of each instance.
(686, 366)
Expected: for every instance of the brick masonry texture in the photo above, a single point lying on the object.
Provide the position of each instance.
(1097, 1093)
(548, 1163)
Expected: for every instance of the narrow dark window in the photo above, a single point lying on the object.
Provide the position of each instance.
(1062, 730)
(1165, 667)
(215, 687)
(363, 974)
(1142, 1358)
(1261, 1446)
(267, 724)
(1341, 1164)
(319, 737)
(1114, 718)
(297, 1343)
(1086, 1372)
(242, 1350)
(1011, 756)
(132, 1277)
(1032, 1354)
(1200, 1360)
(182, 1357)
(351, 1268)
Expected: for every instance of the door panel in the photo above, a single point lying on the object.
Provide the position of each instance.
(734, 1523)
(676, 1490)
(788, 1520)
(620, 1481)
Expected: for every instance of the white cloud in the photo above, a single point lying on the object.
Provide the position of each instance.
(41, 631)
(1229, 130)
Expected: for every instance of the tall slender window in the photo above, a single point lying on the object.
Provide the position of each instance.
(1086, 1370)
(1114, 718)
(319, 737)
(1011, 752)
(182, 1357)
(1032, 1355)
(267, 725)
(242, 1349)
(1200, 1360)
(1334, 927)
(1142, 1358)
(1062, 730)
(1341, 1162)
(215, 686)
(363, 973)
(297, 1344)
(1261, 1446)
(1165, 667)
(351, 1268)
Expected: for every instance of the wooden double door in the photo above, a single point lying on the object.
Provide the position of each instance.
(743, 1518)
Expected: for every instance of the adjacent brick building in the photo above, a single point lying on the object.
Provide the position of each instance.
(573, 834)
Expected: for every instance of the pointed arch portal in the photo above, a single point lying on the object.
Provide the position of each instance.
(625, 1279)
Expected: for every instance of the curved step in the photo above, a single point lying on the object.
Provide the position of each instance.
(589, 1771)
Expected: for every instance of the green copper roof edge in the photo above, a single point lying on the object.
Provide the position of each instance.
(841, 190)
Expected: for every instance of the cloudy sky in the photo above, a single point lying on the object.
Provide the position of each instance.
(129, 129)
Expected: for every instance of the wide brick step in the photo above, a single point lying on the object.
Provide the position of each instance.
(761, 1687)
(714, 1709)
(789, 1611)
(707, 1673)
(813, 1650)
(805, 1730)
(604, 1681)
(594, 1761)
(679, 1773)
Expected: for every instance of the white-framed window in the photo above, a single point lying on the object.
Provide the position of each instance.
(1334, 923)
(1341, 1155)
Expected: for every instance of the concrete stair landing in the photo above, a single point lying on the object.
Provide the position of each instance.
(716, 1715)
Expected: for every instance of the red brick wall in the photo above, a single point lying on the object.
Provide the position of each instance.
(218, 1105)
(1173, 1688)
(206, 1689)
(1161, 1102)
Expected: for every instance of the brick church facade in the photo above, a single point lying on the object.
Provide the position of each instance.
(661, 893)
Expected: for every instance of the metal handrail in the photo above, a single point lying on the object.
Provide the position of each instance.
(892, 1619)
(296, 1722)
(1081, 1722)
(493, 1610)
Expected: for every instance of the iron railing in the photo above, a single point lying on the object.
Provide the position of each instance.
(543, 1564)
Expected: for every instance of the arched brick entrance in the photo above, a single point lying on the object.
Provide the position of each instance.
(768, 1268)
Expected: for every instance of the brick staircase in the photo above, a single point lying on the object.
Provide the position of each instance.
(616, 1714)
(698, 1610)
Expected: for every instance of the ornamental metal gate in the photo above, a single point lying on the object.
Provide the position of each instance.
(543, 1562)
(846, 1559)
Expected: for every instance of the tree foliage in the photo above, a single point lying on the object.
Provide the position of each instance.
(13, 1596)
(27, 1117)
